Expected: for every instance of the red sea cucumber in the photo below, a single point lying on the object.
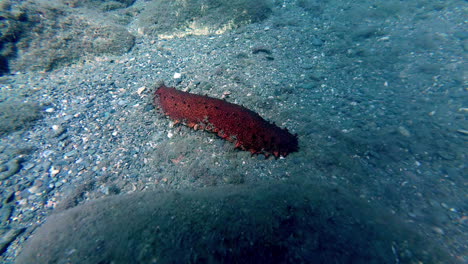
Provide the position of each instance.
(235, 123)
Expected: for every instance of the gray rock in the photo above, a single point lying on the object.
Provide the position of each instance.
(317, 42)
(13, 166)
(8, 237)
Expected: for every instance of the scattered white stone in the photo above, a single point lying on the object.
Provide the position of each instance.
(140, 31)
(53, 171)
(50, 110)
(56, 127)
(170, 134)
(384, 38)
(177, 75)
(438, 230)
(141, 90)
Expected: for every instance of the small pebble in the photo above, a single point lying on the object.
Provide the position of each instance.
(405, 132)
(34, 189)
(438, 230)
(47, 153)
(58, 130)
(141, 90)
(70, 153)
(54, 171)
(28, 166)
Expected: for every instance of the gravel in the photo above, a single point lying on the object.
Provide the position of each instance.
(373, 91)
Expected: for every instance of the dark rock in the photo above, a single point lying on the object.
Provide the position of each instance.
(16, 114)
(365, 31)
(317, 42)
(261, 49)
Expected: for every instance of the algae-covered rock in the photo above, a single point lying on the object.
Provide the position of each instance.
(59, 37)
(45, 35)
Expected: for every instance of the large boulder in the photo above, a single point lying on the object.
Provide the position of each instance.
(275, 223)
(199, 16)
(45, 35)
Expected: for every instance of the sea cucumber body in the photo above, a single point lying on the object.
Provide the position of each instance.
(232, 122)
